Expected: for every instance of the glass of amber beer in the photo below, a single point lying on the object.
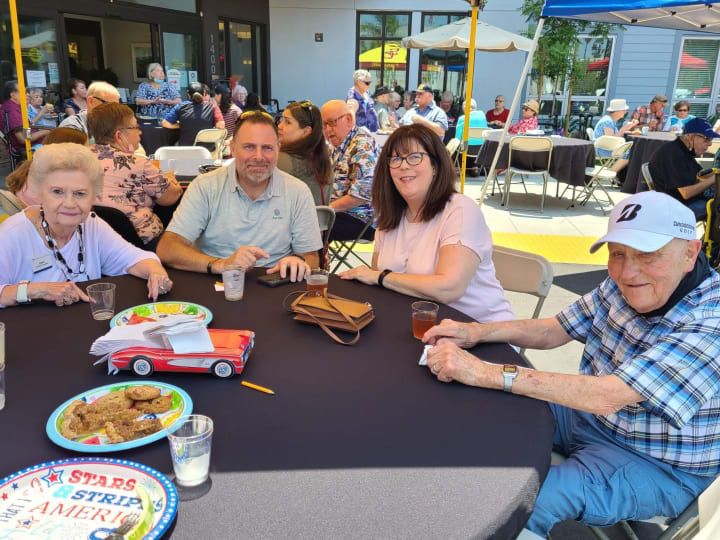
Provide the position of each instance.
(424, 317)
(317, 280)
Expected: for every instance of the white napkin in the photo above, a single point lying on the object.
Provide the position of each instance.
(423, 356)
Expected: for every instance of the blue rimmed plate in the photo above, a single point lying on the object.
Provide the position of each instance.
(159, 310)
(82, 498)
(181, 404)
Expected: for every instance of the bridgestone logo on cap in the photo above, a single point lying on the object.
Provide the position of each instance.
(685, 228)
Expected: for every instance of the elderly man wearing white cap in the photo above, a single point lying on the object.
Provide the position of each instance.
(639, 424)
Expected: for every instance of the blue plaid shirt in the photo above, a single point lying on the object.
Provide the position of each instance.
(673, 361)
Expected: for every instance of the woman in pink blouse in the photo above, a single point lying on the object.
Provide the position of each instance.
(133, 184)
(528, 121)
(431, 241)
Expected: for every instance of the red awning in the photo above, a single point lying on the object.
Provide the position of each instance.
(687, 61)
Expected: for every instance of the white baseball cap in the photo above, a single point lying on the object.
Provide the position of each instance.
(647, 221)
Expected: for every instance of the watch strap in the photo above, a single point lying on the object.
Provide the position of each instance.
(382, 277)
(509, 373)
(21, 296)
(210, 263)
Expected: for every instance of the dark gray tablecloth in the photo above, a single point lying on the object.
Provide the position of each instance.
(643, 148)
(570, 157)
(358, 442)
(153, 135)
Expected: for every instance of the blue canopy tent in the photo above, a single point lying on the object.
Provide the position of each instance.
(694, 15)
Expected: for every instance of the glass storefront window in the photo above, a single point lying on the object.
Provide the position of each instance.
(379, 50)
(696, 75)
(178, 5)
(39, 54)
(240, 53)
(181, 59)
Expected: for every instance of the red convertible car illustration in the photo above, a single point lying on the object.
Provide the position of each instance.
(232, 348)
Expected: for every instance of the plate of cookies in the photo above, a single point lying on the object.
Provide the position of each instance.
(118, 416)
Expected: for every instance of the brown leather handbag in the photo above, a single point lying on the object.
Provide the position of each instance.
(331, 311)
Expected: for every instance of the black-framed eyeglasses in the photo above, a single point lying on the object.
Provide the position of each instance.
(499, 101)
(412, 159)
(367, 82)
(683, 110)
(332, 123)
(101, 100)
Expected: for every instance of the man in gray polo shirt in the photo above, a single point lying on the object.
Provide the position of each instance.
(246, 215)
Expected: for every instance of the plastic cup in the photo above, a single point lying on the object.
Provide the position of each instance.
(424, 317)
(317, 281)
(644, 130)
(102, 300)
(190, 447)
(234, 284)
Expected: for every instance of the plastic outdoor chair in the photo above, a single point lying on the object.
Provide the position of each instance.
(590, 132)
(453, 147)
(213, 136)
(528, 144)
(182, 152)
(525, 272)
(9, 203)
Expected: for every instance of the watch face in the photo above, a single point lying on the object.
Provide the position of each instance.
(508, 368)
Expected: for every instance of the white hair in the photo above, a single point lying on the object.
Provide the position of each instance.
(65, 157)
(361, 75)
(447, 95)
(473, 104)
(101, 89)
(152, 66)
(239, 89)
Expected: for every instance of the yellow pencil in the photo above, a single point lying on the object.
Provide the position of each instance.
(257, 387)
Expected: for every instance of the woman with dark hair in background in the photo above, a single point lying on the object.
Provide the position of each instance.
(303, 151)
(77, 97)
(193, 115)
(252, 103)
(431, 242)
(229, 110)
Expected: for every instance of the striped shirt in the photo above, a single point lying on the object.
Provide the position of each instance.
(673, 361)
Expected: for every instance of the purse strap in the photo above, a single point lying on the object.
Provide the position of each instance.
(297, 308)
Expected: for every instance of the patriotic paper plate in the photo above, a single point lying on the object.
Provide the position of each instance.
(181, 404)
(82, 498)
(159, 310)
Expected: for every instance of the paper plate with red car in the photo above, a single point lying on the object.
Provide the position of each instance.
(232, 348)
(156, 311)
(85, 498)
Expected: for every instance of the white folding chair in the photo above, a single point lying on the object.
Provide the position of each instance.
(645, 168)
(326, 220)
(182, 152)
(213, 136)
(453, 147)
(603, 171)
(528, 144)
(524, 272)
(590, 132)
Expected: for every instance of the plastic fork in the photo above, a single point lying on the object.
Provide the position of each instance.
(125, 527)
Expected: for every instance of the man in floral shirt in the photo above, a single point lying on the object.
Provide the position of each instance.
(354, 156)
(651, 115)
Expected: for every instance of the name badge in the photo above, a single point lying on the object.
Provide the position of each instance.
(43, 262)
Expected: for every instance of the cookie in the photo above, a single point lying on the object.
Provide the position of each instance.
(155, 406)
(112, 402)
(144, 393)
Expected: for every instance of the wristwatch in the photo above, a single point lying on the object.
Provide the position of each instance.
(22, 297)
(509, 372)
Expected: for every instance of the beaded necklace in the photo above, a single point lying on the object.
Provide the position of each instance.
(63, 265)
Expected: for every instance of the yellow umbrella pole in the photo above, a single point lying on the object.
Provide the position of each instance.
(468, 91)
(20, 77)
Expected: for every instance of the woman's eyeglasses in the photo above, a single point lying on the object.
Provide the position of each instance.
(412, 159)
(683, 110)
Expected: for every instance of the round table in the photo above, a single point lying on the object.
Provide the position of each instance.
(357, 442)
(643, 148)
(153, 135)
(570, 157)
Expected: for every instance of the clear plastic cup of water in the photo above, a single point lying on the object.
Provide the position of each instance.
(234, 283)
(190, 447)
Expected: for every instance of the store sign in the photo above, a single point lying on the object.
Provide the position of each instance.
(173, 77)
(53, 72)
(35, 79)
(213, 66)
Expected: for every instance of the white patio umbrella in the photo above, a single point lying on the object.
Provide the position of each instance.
(471, 34)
